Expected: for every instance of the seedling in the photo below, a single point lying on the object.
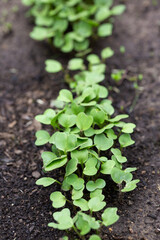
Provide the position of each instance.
(69, 25)
(83, 146)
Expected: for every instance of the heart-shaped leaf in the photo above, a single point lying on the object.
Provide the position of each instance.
(102, 142)
(125, 140)
(82, 204)
(110, 216)
(80, 155)
(83, 121)
(42, 137)
(63, 218)
(111, 134)
(76, 64)
(75, 181)
(117, 153)
(67, 120)
(118, 176)
(95, 204)
(128, 128)
(130, 186)
(65, 96)
(77, 194)
(64, 141)
(98, 184)
(46, 117)
(45, 181)
(53, 66)
(58, 199)
(107, 167)
(90, 167)
(97, 193)
(98, 116)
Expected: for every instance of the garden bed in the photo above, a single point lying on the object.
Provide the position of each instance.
(26, 90)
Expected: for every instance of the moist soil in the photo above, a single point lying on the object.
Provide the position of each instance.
(26, 90)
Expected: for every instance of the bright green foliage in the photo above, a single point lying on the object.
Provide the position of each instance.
(63, 218)
(110, 216)
(53, 66)
(88, 142)
(69, 24)
(58, 199)
(45, 181)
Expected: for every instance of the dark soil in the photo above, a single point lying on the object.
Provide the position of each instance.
(26, 90)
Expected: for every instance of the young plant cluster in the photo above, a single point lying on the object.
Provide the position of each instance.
(86, 146)
(87, 138)
(70, 24)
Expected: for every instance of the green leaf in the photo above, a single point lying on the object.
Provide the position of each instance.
(61, 161)
(118, 10)
(98, 116)
(118, 118)
(118, 176)
(105, 30)
(102, 142)
(80, 155)
(64, 141)
(95, 204)
(94, 237)
(110, 216)
(67, 120)
(63, 218)
(117, 153)
(98, 68)
(81, 46)
(65, 96)
(125, 140)
(83, 29)
(83, 121)
(82, 225)
(58, 199)
(107, 53)
(130, 186)
(76, 182)
(100, 91)
(45, 181)
(128, 128)
(93, 59)
(41, 33)
(76, 64)
(111, 134)
(46, 117)
(53, 66)
(71, 166)
(102, 14)
(49, 157)
(77, 194)
(97, 193)
(42, 137)
(82, 204)
(106, 106)
(107, 167)
(90, 167)
(98, 184)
